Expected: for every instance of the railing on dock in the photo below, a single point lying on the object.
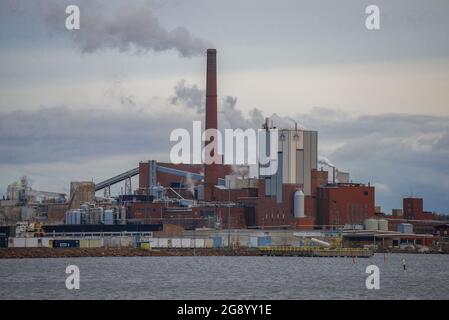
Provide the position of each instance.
(315, 251)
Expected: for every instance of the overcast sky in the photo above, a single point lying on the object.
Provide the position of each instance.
(88, 104)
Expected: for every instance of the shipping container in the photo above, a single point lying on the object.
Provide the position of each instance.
(66, 243)
(17, 242)
(252, 241)
(126, 241)
(119, 241)
(44, 242)
(198, 243)
(91, 243)
(7, 231)
(186, 243)
(175, 243)
(145, 245)
(217, 242)
(162, 243)
(154, 242)
(23, 242)
(208, 243)
(3, 242)
(264, 241)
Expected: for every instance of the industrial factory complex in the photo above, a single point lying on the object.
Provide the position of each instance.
(307, 202)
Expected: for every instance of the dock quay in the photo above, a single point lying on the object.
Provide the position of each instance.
(18, 253)
(316, 252)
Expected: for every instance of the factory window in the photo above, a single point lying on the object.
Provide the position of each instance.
(365, 193)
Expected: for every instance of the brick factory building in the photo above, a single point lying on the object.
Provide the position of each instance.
(347, 203)
(297, 195)
(413, 209)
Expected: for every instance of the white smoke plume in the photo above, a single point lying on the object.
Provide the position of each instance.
(241, 171)
(325, 161)
(190, 184)
(130, 27)
(230, 116)
(285, 122)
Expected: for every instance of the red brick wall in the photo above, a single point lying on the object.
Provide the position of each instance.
(166, 179)
(412, 207)
(345, 204)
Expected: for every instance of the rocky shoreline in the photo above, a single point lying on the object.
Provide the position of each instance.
(23, 253)
(26, 253)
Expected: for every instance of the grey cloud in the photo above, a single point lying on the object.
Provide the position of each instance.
(406, 153)
(65, 134)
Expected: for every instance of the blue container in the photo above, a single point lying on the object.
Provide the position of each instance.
(264, 241)
(217, 242)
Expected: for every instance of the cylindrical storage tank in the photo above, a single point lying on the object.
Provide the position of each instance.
(298, 204)
(383, 224)
(98, 215)
(67, 217)
(108, 217)
(77, 217)
(371, 224)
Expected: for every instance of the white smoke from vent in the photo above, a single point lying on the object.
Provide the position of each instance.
(190, 185)
(229, 115)
(325, 161)
(285, 123)
(241, 171)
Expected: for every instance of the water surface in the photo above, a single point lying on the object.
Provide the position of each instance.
(426, 277)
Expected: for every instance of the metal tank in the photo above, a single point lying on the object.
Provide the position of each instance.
(298, 204)
(108, 217)
(68, 217)
(371, 224)
(383, 224)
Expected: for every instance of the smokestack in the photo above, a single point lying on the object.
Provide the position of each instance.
(333, 175)
(211, 170)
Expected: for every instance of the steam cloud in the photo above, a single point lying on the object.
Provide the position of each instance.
(325, 161)
(131, 28)
(192, 97)
(229, 115)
